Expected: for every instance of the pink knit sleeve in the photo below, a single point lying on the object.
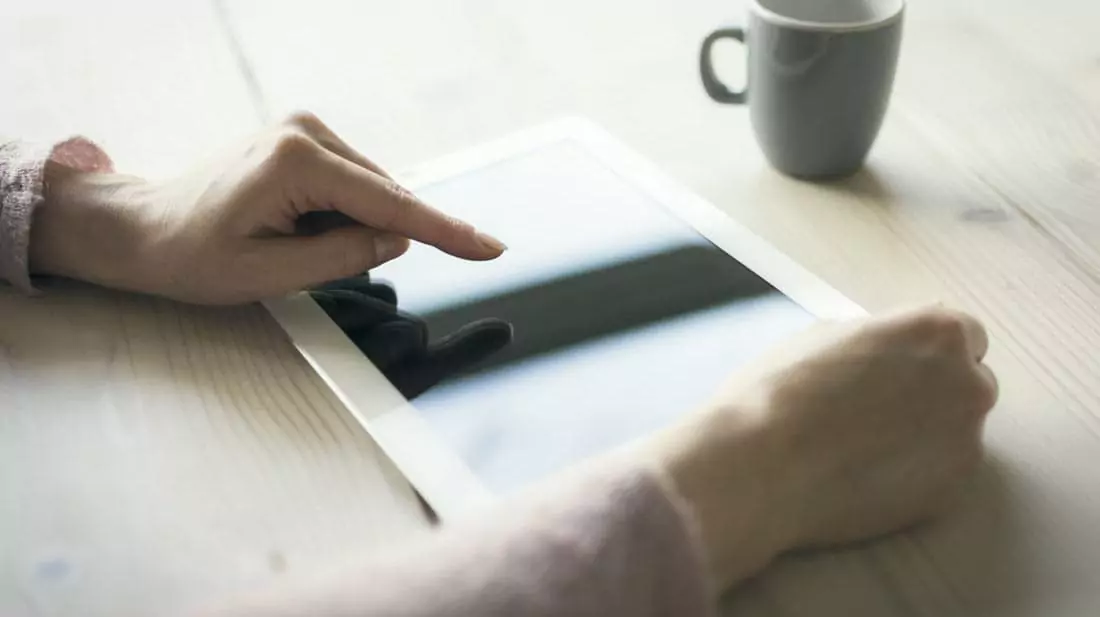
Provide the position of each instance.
(22, 186)
(612, 543)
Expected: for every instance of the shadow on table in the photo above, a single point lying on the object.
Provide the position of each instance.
(866, 184)
(873, 190)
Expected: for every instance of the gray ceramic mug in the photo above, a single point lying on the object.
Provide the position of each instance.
(819, 79)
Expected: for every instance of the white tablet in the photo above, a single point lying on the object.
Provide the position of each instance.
(632, 300)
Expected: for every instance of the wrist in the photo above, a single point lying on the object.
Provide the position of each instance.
(89, 227)
(727, 465)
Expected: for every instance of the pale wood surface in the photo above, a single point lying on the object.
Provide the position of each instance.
(154, 456)
(984, 191)
(158, 87)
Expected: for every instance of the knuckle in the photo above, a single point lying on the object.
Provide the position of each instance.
(457, 226)
(305, 120)
(944, 327)
(407, 204)
(401, 201)
(401, 195)
(451, 229)
(438, 228)
(987, 393)
(292, 146)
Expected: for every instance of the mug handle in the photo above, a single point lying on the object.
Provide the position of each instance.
(715, 88)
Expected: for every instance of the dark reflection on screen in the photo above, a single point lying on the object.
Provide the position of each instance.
(624, 317)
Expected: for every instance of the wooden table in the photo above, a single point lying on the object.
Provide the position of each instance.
(153, 455)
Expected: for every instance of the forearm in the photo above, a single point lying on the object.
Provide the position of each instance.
(25, 178)
(605, 542)
(739, 487)
(91, 227)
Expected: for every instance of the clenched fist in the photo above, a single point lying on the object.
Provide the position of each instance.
(859, 430)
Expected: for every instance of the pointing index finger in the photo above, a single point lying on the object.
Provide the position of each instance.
(381, 203)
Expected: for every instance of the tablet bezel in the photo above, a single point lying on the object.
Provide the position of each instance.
(437, 472)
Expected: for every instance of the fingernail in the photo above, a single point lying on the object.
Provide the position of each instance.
(490, 242)
(388, 247)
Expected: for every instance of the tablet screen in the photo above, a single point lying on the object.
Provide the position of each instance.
(625, 317)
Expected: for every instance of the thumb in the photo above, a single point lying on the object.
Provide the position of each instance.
(292, 263)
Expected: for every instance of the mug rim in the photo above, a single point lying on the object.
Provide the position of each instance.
(820, 26)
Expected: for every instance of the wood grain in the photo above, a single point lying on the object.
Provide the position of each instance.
(155, 455)
(160, 454)
(1019, 540)
(152, 455)
(982, 193)
(159, 87)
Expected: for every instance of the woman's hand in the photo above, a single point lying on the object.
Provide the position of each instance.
(861, 430)
(227, 232)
